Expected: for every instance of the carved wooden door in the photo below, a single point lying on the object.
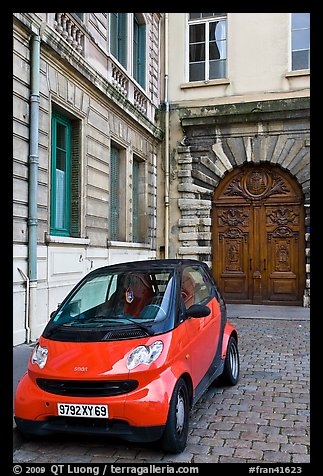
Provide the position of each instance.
(258, 236)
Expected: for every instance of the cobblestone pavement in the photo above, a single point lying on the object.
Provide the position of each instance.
(263, 419)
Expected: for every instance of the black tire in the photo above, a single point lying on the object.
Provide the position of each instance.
(231, 370)
(176, 430)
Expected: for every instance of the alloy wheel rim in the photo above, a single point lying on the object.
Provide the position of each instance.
(234, 362)
(180, 413)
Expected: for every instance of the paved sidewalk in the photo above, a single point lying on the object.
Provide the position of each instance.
(263, 419)
(245, 311)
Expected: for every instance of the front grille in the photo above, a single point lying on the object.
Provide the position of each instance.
(124, 334)
(92, 335)
(87, 388)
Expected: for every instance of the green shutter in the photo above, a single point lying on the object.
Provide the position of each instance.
(75, 181)
(142, 56)
(135, 48)
(113, 33)
(114, 194)
(139, 52)
(122, 39)
(135, 201)
(118, 37)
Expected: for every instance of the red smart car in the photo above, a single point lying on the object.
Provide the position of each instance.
(128, 352)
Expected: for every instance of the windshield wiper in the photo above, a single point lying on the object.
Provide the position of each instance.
(78, 322)
(102, 319)
(119, 317)
(141, 326)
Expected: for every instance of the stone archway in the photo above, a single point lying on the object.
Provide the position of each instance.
(224, 139)
(258, 236)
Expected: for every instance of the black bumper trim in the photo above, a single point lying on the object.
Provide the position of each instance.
(116, 428)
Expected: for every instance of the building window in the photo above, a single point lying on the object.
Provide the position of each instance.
(118, 37)
(80, 16)
(139, 51)
(65, 177)
(207, 46)
(300, 41)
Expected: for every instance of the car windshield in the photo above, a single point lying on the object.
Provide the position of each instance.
(110, 300)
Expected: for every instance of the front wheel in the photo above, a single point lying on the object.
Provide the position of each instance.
(231, 370)
(176, 430)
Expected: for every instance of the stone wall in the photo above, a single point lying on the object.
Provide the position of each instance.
(220, 138)
(97, 108)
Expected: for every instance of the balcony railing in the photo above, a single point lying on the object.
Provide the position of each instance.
(69, 29)
(75, 32)
(140, 101)
(119, 79)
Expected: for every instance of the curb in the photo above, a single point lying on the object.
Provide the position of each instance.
(273, 318)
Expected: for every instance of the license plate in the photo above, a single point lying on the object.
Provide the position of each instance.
(82, 410)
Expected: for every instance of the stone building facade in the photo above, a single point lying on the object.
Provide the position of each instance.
(85, 91)
(250, 125)
(193, 114)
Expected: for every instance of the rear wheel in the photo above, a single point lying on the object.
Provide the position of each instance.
(176, 430)
(230, 375)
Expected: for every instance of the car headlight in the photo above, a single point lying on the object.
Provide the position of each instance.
(39, 356)
(144, 354)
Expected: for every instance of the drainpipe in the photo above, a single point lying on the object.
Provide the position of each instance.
(33, 182)
(166, 140)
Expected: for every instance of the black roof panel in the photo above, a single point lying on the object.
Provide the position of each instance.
(148, 264)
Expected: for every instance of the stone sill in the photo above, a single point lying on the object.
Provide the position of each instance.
(66, 240)
(297, 73)
(211, 82)
(127, 244)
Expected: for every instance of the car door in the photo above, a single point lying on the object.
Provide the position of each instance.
(203, 332)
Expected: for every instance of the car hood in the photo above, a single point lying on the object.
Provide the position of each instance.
(85, 360)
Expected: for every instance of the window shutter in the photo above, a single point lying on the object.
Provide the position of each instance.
(135, 201)
(135, 47)
(113, 33)
(75, 181)
(114, 194)
(142, 56)
(122, 39)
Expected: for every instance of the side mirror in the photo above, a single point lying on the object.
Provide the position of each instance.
(198, 310)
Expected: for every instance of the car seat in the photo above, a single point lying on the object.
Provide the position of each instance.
(187, 290)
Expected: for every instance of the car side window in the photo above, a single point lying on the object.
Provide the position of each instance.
(196, 287)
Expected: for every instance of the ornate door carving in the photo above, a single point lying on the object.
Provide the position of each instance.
(258, 236)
